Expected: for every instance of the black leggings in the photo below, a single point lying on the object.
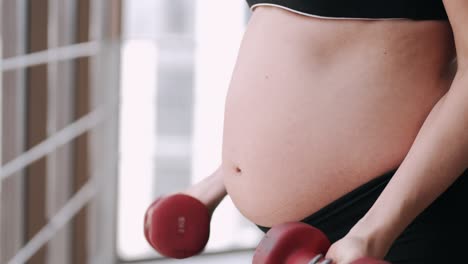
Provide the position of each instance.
(437, 235)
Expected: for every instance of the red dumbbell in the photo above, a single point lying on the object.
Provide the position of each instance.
(296, 243)
(178, 225)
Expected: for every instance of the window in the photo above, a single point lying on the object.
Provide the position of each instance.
(58, 111)
(177, 59)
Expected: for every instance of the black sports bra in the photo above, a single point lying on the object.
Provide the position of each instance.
(362, 9)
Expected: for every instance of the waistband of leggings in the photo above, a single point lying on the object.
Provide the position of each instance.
(372, 187)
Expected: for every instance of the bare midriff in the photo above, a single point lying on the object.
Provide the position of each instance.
(317, 107)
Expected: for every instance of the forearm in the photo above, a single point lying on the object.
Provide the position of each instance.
(437, 157)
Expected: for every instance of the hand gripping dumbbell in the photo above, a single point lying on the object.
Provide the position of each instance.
(178, 225)
(297, 243)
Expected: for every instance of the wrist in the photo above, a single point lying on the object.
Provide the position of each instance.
(210, 191)
(377, 236)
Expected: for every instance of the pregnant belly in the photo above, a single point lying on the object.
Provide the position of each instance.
(290, 149)
(306, 121)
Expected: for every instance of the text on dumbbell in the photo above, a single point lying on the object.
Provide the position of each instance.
(181, 225)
